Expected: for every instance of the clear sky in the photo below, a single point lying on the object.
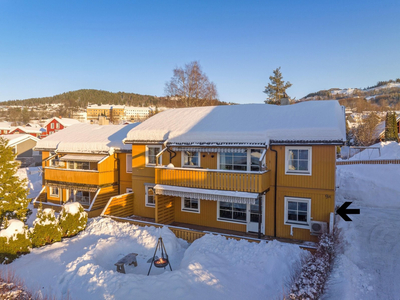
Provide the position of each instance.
(51, 47)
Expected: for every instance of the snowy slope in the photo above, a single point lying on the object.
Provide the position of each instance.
(211, 268)
(368, 266)
(388, 150)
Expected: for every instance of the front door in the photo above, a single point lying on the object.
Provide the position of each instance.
(255, 216)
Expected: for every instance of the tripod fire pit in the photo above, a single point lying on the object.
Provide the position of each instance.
(163, 261)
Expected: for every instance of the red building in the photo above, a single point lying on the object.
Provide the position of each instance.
(36, 132)
(56, 124)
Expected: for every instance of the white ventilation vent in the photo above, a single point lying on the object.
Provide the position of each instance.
(319, 227)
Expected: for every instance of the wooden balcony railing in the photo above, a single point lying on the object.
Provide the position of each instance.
(80, 176)
(256, 182)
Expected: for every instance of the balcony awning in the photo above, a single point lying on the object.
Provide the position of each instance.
(215, 195)
(86, 158)
(210, 150)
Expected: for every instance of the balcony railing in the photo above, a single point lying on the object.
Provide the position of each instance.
(253, 182)
(80, 176)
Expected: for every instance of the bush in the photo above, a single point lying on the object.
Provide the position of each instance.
(46, 229)
(72, 219)
(14, 240)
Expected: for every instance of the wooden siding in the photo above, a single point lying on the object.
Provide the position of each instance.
(206, 217)
(214, 180)
(165, 209)
(125, 178)
(80, 176)
(120, 206)
(104, 195)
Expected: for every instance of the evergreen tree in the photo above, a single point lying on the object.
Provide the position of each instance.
(391, 127)
(277, 88)
(13, 191)
(46, 229)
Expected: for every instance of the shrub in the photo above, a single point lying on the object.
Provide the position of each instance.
(14, 240)
(72, 219)
(46, 229)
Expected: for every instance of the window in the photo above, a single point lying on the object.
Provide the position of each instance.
(82, 197)
(190, 204)
(298, 160)
(54, 192)
(247, 161)
(78, 165)
(129, 190)
(52, 125)
(150, 195)
(191, 159)
(235, 212)
(297, 212)
(151, 154)
(129, 163)
(58, 125)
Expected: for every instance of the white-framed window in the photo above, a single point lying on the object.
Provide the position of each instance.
(190, 204)
(129, 163)
(150, 196)
(52, 125)
(298, 160)
(246, 161)
(233, 212)
(151, 153)
(190, 159)
(82, 197)
(78, 165)
(54, 192)
(58, 125)
(298, 212)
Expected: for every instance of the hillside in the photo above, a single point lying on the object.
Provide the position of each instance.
(81, 98)
(382, 96)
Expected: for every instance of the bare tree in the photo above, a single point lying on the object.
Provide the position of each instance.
(190, 86)
(365, 134)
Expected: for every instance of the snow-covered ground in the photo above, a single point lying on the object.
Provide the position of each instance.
(210, 268)
(368, 267)
(388, 150)
(34, 176)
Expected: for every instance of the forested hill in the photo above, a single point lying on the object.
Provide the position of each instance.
(82, 98)
(384, 95)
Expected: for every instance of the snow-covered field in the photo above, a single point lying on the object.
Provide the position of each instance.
(210, 268)
(34, 176)
(388, 150)
(368, 268)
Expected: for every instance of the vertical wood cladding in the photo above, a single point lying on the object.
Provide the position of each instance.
(165, 213)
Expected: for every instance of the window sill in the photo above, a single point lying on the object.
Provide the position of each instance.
(297, 225)
(191, 211)
(150, 205)
(297, 173)
(232, 221)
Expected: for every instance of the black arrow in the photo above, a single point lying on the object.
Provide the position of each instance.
(344, 212)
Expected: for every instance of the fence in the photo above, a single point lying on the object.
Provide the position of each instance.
(369, 162)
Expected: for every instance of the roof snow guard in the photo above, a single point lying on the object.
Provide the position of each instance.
(203, 194)
(306, 142)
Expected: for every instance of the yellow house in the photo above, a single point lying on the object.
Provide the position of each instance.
(85, 163)
(256, 170)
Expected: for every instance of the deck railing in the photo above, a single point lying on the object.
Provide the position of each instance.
(80, 176)
(253, 182)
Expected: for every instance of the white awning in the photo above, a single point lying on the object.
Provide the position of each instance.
(215, 195)
(88, 158)
(210, 150)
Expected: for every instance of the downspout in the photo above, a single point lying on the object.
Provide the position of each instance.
(276, 178)
(118, 172)
(260, 200)
(171, 156)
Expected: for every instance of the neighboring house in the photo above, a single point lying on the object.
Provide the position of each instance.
(379, 132)
(37, 132)
(23, 145)
(55, 124)
(241, 169)
(5, 127)
(85, 163)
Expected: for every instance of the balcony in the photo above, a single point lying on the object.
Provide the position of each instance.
(90, 177)
(254, 182)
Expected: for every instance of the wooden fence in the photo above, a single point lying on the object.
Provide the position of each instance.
(369, 162)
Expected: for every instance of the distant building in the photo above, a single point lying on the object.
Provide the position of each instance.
(37, 132)
(113, 112)
(132, 112)
(22, 146)
(55, 124)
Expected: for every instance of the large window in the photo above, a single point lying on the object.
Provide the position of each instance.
(297, 212)
(129, 163)
(246, 161)
(82, 197)
(191, 159)
(78, 165)
(54, 192)
(151, 155)
(236, 212)
(191, 204)
(150, 195)
(298, 160)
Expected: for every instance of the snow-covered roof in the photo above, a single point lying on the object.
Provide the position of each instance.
(29, 129)
(63, 121)
(14, 139)
(87, 138)
(247, 124)
(5, 125)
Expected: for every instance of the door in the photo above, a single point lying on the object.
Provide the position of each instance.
(255, 216)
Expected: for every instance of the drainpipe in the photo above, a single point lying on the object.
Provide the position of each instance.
(260, 212)
(118, 172)
(276, 178)
(171, 156)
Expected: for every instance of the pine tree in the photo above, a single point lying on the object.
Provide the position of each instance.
(46, 229)
(13, 191)
(277, 88)
(391, 127)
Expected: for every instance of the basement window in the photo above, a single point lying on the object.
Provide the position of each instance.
(298, 212)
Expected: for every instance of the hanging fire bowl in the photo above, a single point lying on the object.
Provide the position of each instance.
(162, 262)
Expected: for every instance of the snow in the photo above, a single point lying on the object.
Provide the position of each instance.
(245, 124)
(348, 91)
(87, 138)
(34, 177)
(14, 227)
(210, 268)
(14, 139)
(63, 121)
(72, 208)
(388, 150)
(367, 268)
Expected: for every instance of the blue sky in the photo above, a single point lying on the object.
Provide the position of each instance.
(51, 47)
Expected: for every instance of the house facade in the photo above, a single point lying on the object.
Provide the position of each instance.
(36, 132)
(55, 124)
(85, 163)
(247, 169)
